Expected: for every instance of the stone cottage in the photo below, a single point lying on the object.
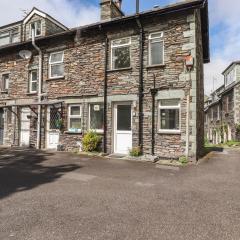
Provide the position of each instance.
(136, 80)
(222, 111)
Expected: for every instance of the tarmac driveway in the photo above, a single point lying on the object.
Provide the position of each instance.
(64, 196)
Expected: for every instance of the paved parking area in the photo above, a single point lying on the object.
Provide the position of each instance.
(64, 196)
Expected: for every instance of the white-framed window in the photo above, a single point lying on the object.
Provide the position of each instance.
(75, 118)
(230, 77)
(156, 49)
(212, 114)
(218, 112)
(10, 36)
(37, 27)
(120, 53)
(169, 115)
(33, 81)
(96, 115)
(56, 65)
(5, 82)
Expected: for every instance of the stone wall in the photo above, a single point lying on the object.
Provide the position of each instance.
(83, 80)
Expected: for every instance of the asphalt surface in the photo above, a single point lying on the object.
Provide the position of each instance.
(65, 196)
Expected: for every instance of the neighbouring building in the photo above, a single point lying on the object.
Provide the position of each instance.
(222, 109)
(136, 80)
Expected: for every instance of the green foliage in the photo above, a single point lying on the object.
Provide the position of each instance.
(238, 127)
(59, 123)
(91, 141)
(135, 152)
(233, 143)
(183, 160)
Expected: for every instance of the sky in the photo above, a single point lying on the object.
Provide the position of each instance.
(223, 17)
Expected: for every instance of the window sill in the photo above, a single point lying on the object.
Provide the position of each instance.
(55, 78)
(73, 133)
(30, 94)
(156, 66)
(120, 69)
(169, 132)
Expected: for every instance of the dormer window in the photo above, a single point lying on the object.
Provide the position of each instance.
(10, 36)
(37, 27)
(230, 77)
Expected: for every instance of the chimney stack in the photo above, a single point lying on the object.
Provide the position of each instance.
(111, 9)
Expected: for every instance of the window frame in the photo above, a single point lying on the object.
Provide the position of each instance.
(56, 63)
(89, 118)
(30, 80)
(10, 34)
(161, 39)
(176, 107)
(118, 46)
(75, 117)
(3, 82)
(35, 29)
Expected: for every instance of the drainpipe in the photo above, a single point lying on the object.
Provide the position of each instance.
(153, 93)
(187, 126)
(105, 96)
(39, 89)
(140, 88)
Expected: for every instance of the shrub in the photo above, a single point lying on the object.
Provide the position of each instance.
(135, 152)
(183, 160)
(238, 127)
(91, 141)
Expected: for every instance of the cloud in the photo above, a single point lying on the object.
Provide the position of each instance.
(224, 39)
(69, 12)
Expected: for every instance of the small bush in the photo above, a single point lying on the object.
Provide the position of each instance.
(183, 160)
(135, 152)
(91, 141)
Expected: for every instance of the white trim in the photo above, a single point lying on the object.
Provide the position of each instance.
(44, 15)
(117, 46)
(55, 63)
(150, 38)
(31, 81)
(173, 107)
(35, 29)
(89, 118)
(74, 117)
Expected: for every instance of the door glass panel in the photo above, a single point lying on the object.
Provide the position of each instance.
(124, 116)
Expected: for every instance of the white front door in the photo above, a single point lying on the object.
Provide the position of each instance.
(25, 128)
(52, 128)
(122, 128)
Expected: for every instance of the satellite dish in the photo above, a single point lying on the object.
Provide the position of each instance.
(25, 54)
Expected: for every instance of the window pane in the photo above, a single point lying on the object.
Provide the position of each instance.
(169, 119)
(34, 87)
(124, 115)
(4, 38)
(75, 110)
(121, 57)
(121, 41)
(96, 116)
(5, 82)
(57, 70)
(75, 124)
(156, 53)
(38, 28)
(56, 57)
(54, 118)
(34, 75)
(170, 102)
(156, 35)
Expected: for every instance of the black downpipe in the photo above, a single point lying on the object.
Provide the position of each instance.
(140, 89)
(153, 93)
(105, 96)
